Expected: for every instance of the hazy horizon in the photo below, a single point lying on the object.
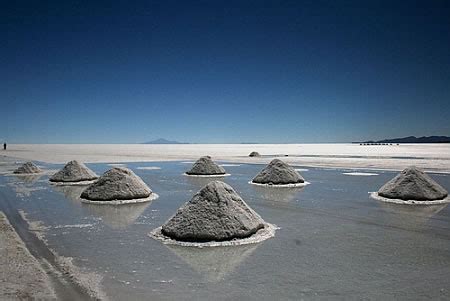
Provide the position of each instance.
(232, 72)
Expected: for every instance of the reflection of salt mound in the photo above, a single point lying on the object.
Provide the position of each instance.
(409, 217)
(215, 214)
(205, 166)
(74, 171)
(28, 168)
(117, 217)
(214, 263)
(410, 186)
(254, 154)
(277, 195)
(28, 178)
(118, 184)
(278, 173)
(71, 192)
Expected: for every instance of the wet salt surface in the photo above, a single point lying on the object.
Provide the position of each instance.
(334, 242)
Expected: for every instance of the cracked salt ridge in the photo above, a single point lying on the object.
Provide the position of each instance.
(377, 197)
(281, 185)
(208, 176)
(262, 234)
(360, 174)
(148, 167)
(89, 281)
(152, 197)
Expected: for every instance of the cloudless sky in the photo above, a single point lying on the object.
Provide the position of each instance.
(223, 71)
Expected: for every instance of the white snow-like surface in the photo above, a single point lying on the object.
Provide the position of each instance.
(430, 157)
(363, 174)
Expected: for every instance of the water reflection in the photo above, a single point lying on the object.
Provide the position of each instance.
(274, 194)
(409, 216)
(28, 178)
(117, 216)
(71, 192)
(24, 185)
(214, 263)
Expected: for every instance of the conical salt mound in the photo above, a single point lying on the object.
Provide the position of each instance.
(413, 184)
(205, 166)
(254, 154)
(278, 173)
(74, 171)
(28, 168)
(215, 213)
(117, 184)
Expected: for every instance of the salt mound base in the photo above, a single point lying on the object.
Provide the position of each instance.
(28, 168)
(254, 154)
(279, 173)
(412, 186)
(74, 171)
(206, 167)
(215, 216)
(118, 185)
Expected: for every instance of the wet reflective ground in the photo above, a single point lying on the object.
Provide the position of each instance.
(334, 242)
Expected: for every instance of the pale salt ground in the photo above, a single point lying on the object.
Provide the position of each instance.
(331, 229)
(367, 174)
(21, 275)
(431, 157)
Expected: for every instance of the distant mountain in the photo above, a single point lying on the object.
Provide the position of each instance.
(413, 139)
(163, 141)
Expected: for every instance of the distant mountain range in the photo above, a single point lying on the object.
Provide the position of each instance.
(413, 139)
(163, 141)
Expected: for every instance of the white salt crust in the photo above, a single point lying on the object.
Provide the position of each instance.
(360, 174)
(265, 233)
(152, 197)
(375, 196)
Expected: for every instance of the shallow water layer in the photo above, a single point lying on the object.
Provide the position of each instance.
(334, 241)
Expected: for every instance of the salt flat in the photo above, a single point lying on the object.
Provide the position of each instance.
(431, 157)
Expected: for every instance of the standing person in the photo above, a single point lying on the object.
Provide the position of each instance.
(4, 146)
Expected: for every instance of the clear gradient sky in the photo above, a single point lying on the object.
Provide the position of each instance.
(223, 71)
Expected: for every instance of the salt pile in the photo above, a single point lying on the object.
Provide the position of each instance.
(412, 186)
(118, 185)
(206, 167)
(279, 173)
(215, 214)
(254, 154)
(28, 168)
(72, 172)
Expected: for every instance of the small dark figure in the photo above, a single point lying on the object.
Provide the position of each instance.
(4, 146)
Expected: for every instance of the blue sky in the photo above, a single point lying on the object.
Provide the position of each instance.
(223, 71)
